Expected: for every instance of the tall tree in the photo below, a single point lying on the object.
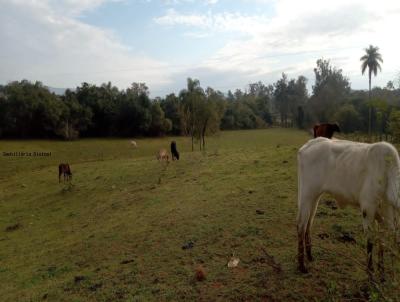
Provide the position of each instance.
(210, 114)
(282, 99)
(191, 100)
(371, 60)
(76, 117)
(170, 106)
(330, 90)
(289, 95)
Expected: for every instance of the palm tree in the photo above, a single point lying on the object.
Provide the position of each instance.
(371, 60)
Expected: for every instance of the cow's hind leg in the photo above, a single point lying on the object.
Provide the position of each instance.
(381, 268)
(307, 207)
(313, 209)
(368, 208)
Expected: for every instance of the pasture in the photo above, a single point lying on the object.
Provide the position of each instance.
(117, 232)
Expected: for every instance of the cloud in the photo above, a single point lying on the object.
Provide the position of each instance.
(221, 22)
(74, 8)
(172, 17)
(222, 80)
(296, 35)
(39, 43)
(48, 40)
(178, 2)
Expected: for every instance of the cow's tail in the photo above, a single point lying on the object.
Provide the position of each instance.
(393, 178)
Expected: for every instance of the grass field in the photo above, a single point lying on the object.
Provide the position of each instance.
(116, 233)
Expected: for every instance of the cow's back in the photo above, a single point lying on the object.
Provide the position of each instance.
(338, 166)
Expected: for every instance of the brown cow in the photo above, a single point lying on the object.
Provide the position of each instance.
(65, 170)
(325, 130)
(163, 155)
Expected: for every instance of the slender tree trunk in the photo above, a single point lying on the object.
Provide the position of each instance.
(67, 132)
(369, 75)
(203, 134)
(191, 133)
(369, 121)
(370, 109)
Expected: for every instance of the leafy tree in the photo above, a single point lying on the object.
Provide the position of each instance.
(103, 103)
(298, 95)
(135, 111)
(170, 106)
(380, 111)
(348, 118)
(394, 125)
(258, 98)
(390, 85)
(30, 110)
(282, 99)
(7, 122)
(300, 117)
(159, 124)
(331, 88)
(76, 117)
(210, 114)
(289, 95)
(192, 100)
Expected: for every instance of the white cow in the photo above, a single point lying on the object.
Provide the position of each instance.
(365, 175)
(134, 144)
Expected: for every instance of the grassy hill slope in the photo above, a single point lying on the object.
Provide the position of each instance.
(116, 233)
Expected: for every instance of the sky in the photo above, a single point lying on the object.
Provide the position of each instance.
(226, 44)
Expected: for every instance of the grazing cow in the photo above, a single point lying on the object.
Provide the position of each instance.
(364, 175)
(134, 144)
(174, 151)
(163, 155)
(325, 130)
(65, 170)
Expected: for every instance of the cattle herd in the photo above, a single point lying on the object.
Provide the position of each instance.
(361, 174)
(162, 155)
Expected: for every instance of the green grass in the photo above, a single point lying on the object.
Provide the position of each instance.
(116, 233)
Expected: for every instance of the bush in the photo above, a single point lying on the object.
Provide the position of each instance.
(348, 118)
(394, 125)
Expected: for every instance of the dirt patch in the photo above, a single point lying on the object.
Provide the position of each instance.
(94, 287)
(127, 261)
(323, 235)
(13, 227)
(78, 279)
(330, 204)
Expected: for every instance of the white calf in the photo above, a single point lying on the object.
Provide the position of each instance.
(365, 175)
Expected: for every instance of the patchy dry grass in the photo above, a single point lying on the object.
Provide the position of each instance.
(117, 232)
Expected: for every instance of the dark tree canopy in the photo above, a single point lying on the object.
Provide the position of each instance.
(30, 110)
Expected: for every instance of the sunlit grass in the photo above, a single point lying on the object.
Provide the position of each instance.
(116, 233)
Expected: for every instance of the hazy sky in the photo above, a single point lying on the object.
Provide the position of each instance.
(226, 44)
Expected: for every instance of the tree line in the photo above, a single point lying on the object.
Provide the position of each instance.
(30, 110)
